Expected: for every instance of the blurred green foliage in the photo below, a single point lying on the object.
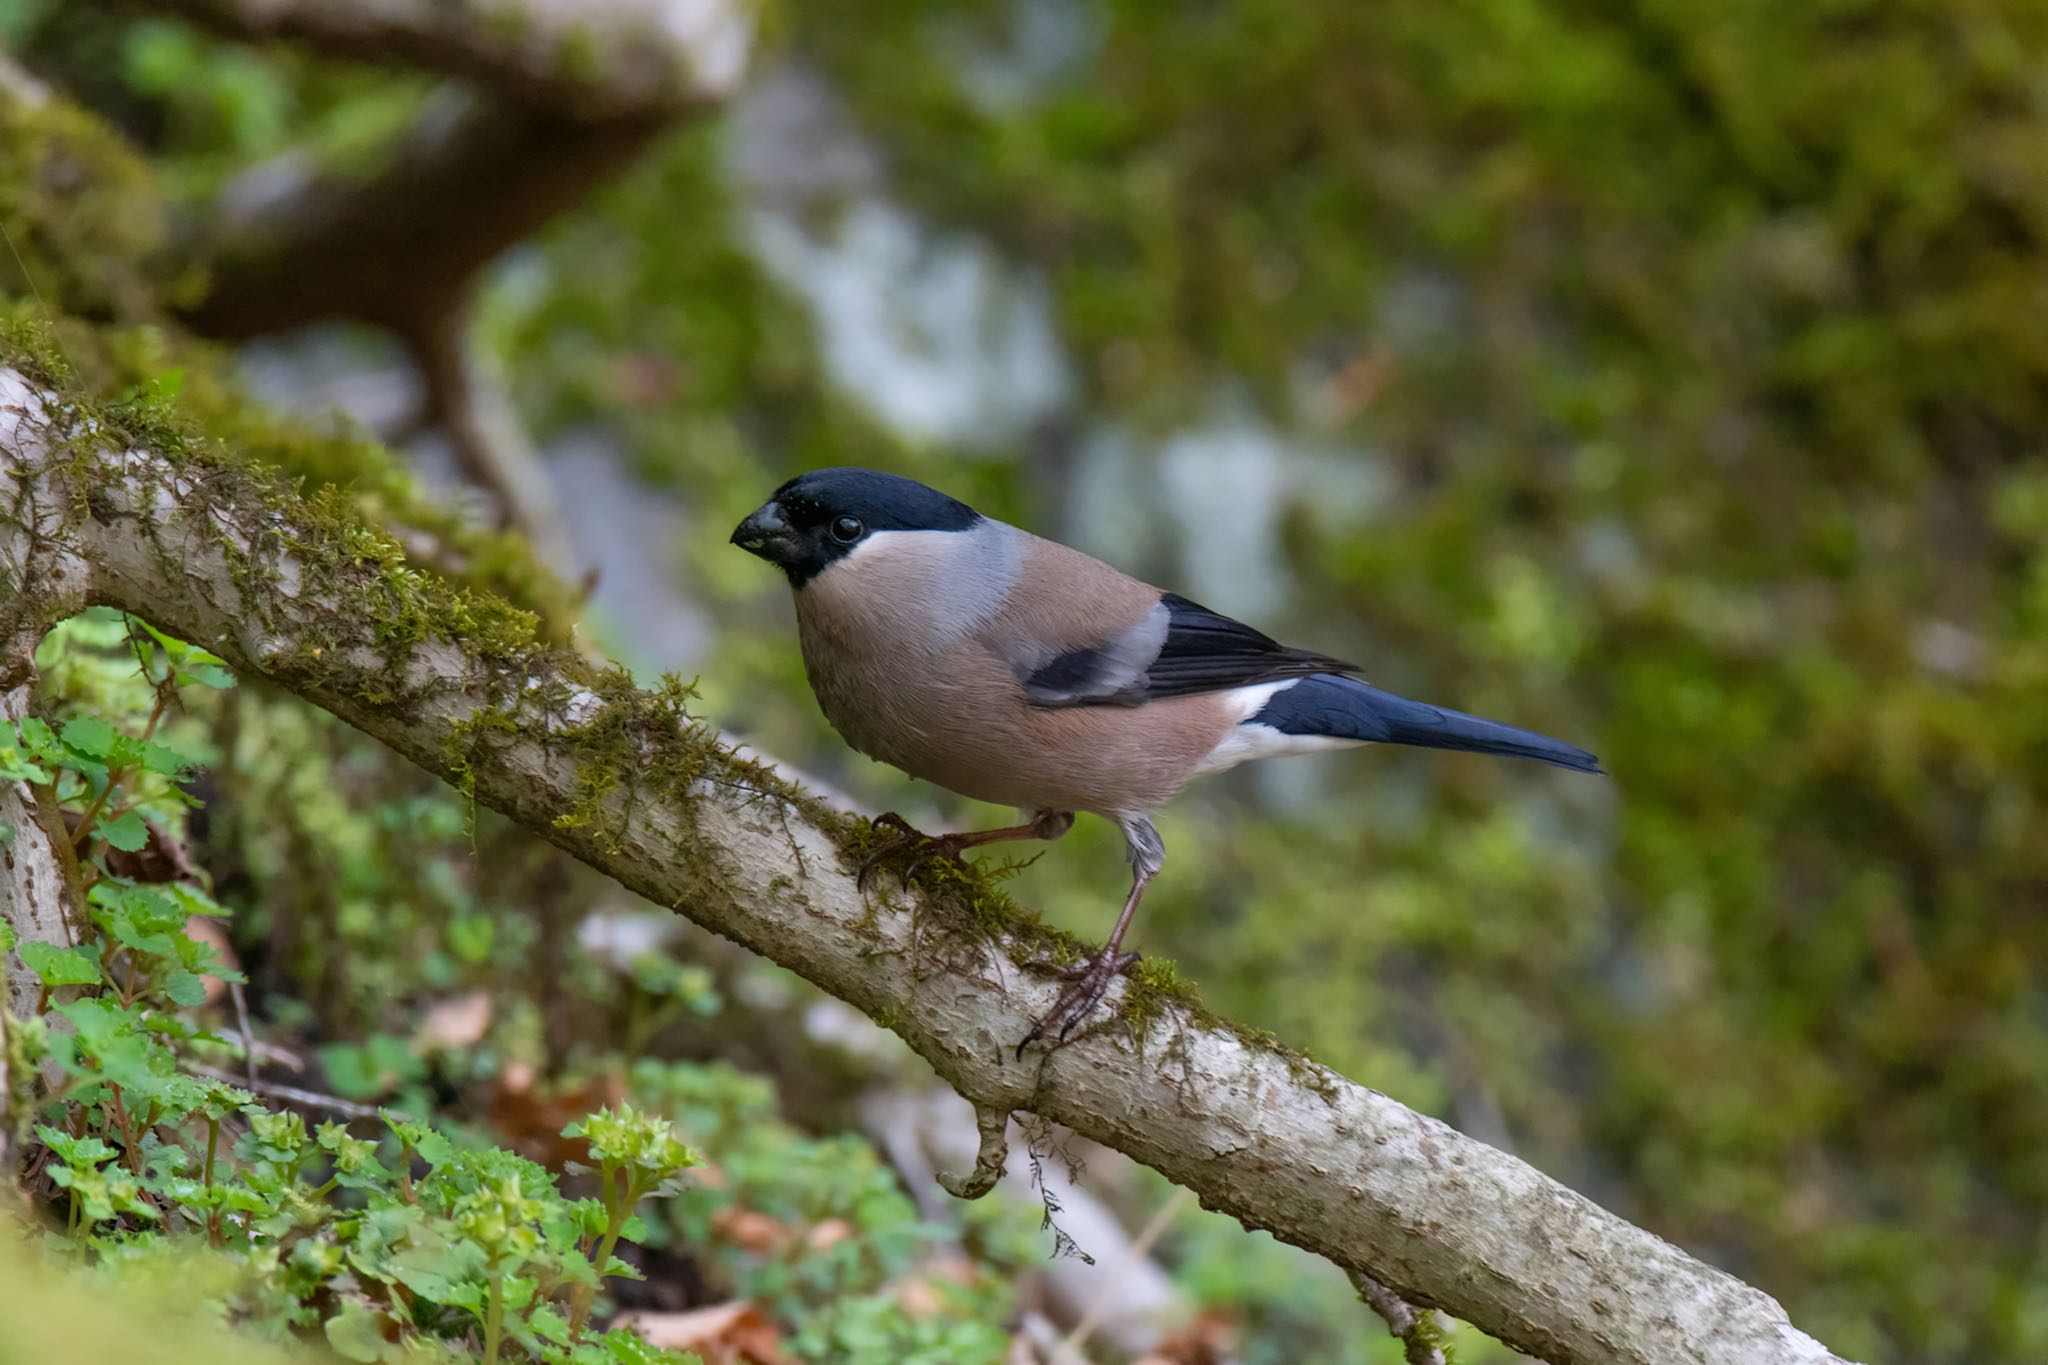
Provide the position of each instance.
(1698, 358)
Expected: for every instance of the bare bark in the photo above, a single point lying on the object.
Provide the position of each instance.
(592, 58)
(621, 779)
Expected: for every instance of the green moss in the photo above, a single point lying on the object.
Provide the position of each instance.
(581, 56)
(176, 397)
(84, 221)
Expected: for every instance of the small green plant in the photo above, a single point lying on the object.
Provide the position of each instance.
(405, 1233)
(390, 1245)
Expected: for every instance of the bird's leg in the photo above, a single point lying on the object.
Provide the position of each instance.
(1090, 980)
(922, 847)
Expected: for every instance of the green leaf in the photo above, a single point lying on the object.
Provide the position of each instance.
(16, 767)
(184, 988)
(356, 1332)
(89, 735)
(166, 761)
(443, 1271)
(190, 663)
(470, 937)
(74, 1151)
(6, 937)
(125, 831)
(214, 675)
(62, 966)
(376, 1067)
(36, 735)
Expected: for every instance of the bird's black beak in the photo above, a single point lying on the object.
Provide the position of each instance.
(766, 534)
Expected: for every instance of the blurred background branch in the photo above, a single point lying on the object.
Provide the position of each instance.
(591, 59)
(557, 99)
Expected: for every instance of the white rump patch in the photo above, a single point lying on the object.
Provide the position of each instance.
(1242, 742)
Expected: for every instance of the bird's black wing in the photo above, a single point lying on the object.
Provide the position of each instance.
(1202, 651)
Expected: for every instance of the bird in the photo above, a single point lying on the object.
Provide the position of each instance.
(1013, 669)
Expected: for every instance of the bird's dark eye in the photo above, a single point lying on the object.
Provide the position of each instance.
(847, 530)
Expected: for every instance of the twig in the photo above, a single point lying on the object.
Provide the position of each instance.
(994, 1125)
(1420, 1333)
(1070, 1348)
(312, 1099)
(242, 1024)
(476, 415)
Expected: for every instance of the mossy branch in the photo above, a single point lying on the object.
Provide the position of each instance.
(627, 780)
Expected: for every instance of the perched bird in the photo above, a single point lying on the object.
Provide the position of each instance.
(1013, 669)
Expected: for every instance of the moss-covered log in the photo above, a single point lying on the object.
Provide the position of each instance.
(303, 592)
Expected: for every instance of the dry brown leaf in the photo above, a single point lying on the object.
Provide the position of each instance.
(749, 1230)
(1211, 1339)
(456, 1023)
(829, 1233)
(212, 932)
(919, 1298)
(736, 1333)
(531, 1120)
(923, 1295)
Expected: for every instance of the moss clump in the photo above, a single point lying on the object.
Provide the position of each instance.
(962, 902)
(84, 219)
(352, 571)
(176, 397)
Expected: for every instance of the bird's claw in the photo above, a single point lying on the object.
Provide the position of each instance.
(1089, 983)
(921, 847)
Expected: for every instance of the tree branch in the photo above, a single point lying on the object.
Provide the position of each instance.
(1417, 1329)
(627, 781)
(290, 243)
(561, 96)
(590, 58)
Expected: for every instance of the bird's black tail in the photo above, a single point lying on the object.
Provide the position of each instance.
(1345, 708)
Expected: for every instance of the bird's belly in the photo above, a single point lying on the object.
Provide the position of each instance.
(969, 728)
(911, 714)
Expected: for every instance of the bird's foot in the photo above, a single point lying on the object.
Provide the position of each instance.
(1089, 982)
(911, 848)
